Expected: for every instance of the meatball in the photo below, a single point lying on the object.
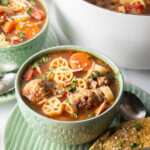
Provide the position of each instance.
(36, 90)
(92, 84)
(100, 81)
(86, 98)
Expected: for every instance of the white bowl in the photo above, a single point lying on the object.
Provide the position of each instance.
(122, 37)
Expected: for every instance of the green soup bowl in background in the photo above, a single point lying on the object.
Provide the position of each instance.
(12, 57)
(68, 132)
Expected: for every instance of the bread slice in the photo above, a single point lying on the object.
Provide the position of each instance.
(134, 134)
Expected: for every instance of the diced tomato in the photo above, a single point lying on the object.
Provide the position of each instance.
(137, 7)
(38, 15)
(128, 7)
(29, 75)
(2, 12)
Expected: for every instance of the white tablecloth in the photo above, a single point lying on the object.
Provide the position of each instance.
(137, 77)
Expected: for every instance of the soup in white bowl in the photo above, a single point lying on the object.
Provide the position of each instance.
(123, 37)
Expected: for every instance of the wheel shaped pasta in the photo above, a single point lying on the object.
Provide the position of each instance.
(136, 2)
(3, 42)
(80, 83)
(69, 107)
(63, 75)
(17, 5)
(122, 9)
(52, 107)
(107, 93)
(58, 62)
(124, 1)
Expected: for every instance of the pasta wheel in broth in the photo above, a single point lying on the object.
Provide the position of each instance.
(58, 62)
(63, 75)
(80, 83)
(69, 107)
(136, 2)
(17, 5)
(52, 107)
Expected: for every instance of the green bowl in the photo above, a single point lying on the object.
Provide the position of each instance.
(11, 58)
(67, 132)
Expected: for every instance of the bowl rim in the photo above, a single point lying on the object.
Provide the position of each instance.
(98, 7)
(30, 40)
(69, 47)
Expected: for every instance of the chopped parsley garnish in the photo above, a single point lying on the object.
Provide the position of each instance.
(29, 10)
(62, 92)
(119, 144)
(26, 26)
(43, 78)
(75, 115)
(70, 88)
(45, 59)
(46, 76)
(36, 64)
(95, 75)
(90, 115)
(89, 57)
(134, 145)
(138, 137)
(51, 69)
(32, 3)
(21, 34)
(117, 76)
(67, 101)
(142, 144)
(137, 127)
(64, 69)
(74, 81)
(5, 2)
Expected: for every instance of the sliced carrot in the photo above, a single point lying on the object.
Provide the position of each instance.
(30, 29)
(81, 60)
(9, 26)
(101, 108)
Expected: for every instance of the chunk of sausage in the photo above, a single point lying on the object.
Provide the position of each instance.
(86, 99)
(92, 84)
(102, 81)
(36, 90)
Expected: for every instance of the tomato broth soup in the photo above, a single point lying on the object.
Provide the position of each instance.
(69, 85)
(20, 20)
(138, 7)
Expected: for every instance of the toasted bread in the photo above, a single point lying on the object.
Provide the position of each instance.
(130, 135)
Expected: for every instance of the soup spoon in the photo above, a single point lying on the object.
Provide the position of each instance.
(7, 82)
(131, 107)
